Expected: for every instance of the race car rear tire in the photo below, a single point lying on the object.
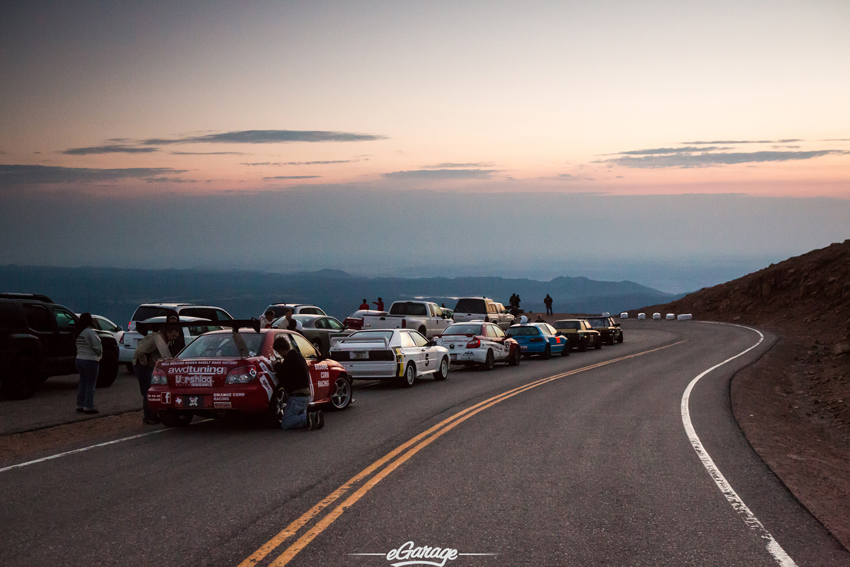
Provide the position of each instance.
(514, 359)
(23, 378)
(274, 412)
(547, 353)
(174, 418)
(443, 372)
(343, 393)
(489, 361)
(408, 379)
(108, 370)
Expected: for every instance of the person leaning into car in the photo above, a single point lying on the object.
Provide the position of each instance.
(293, 376)
(152, 348)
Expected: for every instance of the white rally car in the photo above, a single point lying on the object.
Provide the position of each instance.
(403, 355)
(477, 342)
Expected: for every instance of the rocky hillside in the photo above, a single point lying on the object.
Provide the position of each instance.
(806, 301)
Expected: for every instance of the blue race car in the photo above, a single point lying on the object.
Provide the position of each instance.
(539, 338)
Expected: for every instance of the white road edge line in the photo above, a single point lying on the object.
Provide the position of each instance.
(746, 514)
(90, 447)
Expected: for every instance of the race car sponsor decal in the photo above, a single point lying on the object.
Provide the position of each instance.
(194, 381)
(206, 369)
(324, 383)
(165, 398)
(153, 396)
(193, 401)
(222, 405)
(264, 382)
(325, 374)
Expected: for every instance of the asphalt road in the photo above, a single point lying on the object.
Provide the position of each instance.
(591, 467)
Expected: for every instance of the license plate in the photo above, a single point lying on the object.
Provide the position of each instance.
(454, 357)
(523, 348)
(360, 355)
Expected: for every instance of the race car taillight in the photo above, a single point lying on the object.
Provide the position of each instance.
(474, 343)
(241, 375)
(158, 377)
(353, 323)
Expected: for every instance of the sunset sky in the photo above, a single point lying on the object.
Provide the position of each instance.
(308, 135)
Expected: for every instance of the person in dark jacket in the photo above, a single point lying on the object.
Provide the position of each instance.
(179, 343)
(548, 301)
(293, 376)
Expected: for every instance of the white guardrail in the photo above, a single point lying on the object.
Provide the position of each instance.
(657, 316)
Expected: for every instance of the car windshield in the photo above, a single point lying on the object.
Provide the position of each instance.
(408, 309)
(598, 322)
(470, 306)
(148, 311)
(377, 335)
(567, 324)
(523, 331)
(221, 345)
(463, 330)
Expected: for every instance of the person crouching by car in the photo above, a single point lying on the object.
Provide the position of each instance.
(294, 377)
(89, 352)
(152, 348)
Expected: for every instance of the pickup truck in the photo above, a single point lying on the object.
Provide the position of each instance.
(423, 316)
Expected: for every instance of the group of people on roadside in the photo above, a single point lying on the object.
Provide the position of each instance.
(379, 305)
(291, 368)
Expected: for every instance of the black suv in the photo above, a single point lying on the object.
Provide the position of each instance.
(610, 331)
(37, 341)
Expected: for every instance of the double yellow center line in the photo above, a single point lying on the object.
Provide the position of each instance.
(395, 458)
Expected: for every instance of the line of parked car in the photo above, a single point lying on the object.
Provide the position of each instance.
(226, 365)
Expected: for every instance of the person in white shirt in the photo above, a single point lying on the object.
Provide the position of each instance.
(289, 323)
(89, 353)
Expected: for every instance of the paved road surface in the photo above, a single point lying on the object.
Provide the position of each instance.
(590, 468)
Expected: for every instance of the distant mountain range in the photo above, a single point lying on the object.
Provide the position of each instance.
(115, 292)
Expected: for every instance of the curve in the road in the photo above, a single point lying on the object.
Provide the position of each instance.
(395, 458)
(737, 503)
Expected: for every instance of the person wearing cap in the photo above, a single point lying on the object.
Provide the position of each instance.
(151, 349)
(293, 376)
(179, 343)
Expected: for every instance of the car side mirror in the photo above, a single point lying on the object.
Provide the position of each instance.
(120, 328)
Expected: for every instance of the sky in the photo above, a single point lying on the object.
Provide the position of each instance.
(674, 143)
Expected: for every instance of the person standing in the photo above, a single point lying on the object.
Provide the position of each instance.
(267, 319)
(151, 349)
(379, 304)
(364, 305)
(89, 353)
(289, 323)
(293, 376)
(548, 302)
(179, 343)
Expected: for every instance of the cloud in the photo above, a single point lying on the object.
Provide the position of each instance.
(570, 177)
(208, 153)
(278, 164)
(293, 177)
(689, 160)
(745, 142)
(110, 149)
(167, 180)
(43, 174)
(266, 137)
(457, 165)
(668, 151)
(439, 174)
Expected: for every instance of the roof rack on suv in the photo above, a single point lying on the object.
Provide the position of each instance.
(36, 296)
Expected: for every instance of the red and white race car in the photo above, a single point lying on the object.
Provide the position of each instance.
(230, 371)
(480, 343)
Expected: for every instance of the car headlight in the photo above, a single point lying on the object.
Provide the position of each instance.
(241, 375)
(158, 377)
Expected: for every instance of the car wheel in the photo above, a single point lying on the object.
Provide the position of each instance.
(342, 394)
(598, 344)
(408, 379)
(422, 331)
(489, 360)
(443, 372)
(620, 338)
(174, 418)
(108, 370)
(21, 381)
(514, 359)
(547, 353)
(566, 351)
(582, 345)
(274, 412)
